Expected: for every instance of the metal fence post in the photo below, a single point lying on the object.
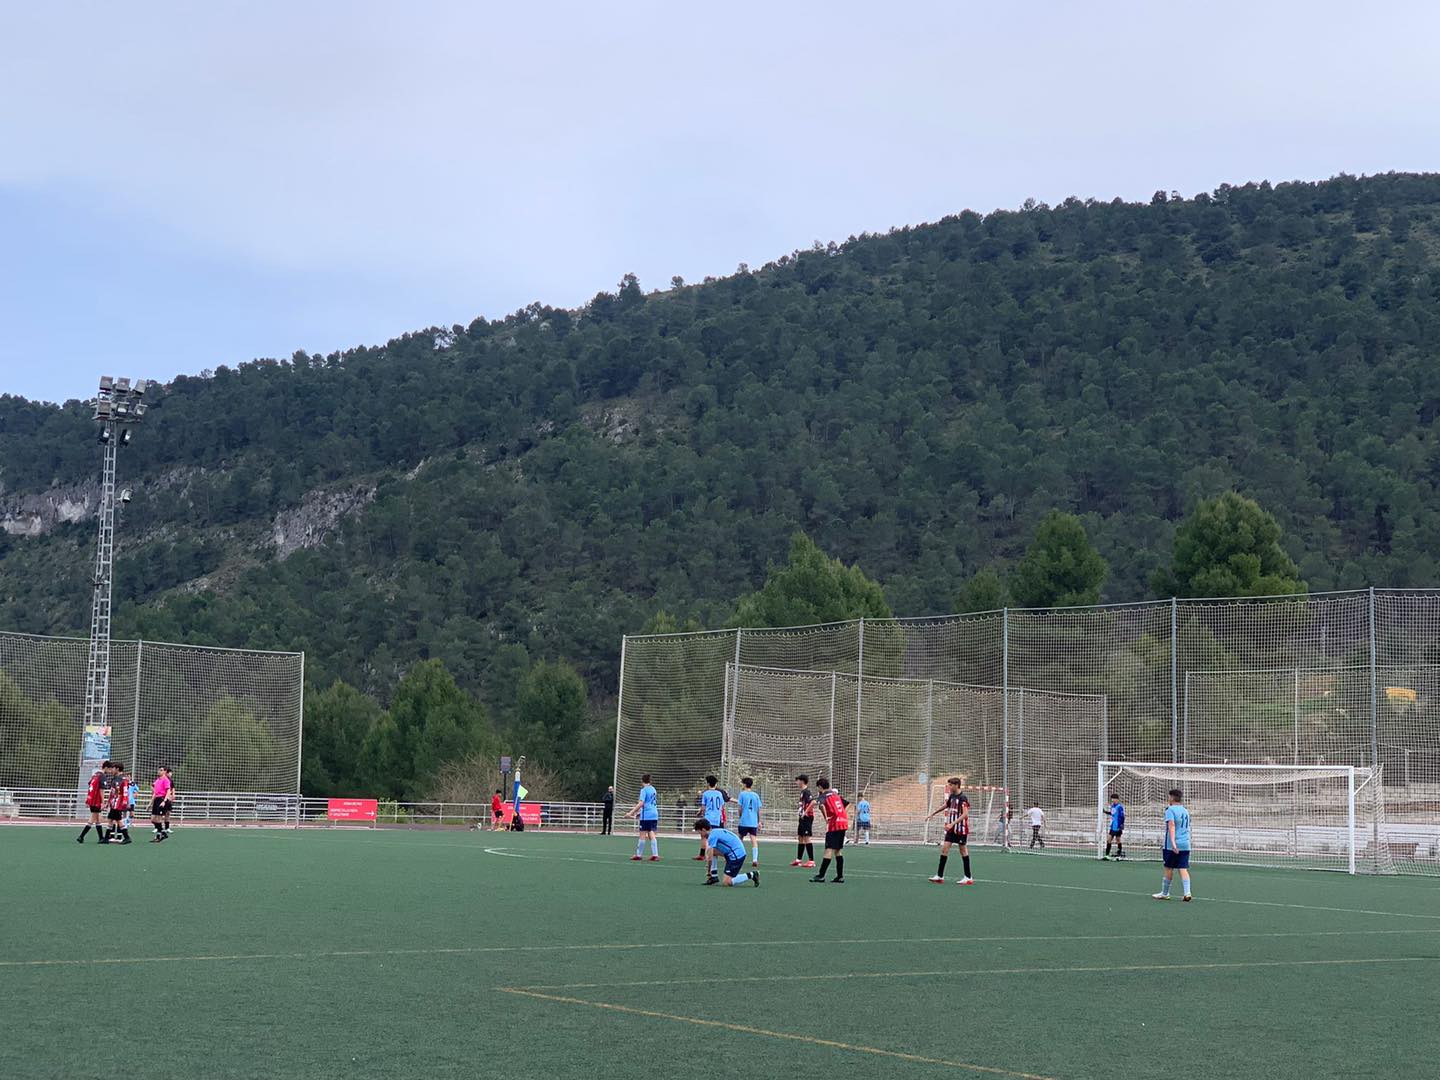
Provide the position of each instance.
(1174, 670)
(1375, 774)
(859, 694)
(135, 715)
(619, 713)
(928, 763)
(1005, 711)
(300, 727)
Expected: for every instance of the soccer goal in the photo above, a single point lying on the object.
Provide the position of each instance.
(1315, 817)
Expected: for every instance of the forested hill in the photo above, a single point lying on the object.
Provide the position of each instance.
(536, 486)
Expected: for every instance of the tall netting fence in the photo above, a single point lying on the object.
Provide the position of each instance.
(912, 735)
(1348, 679)
(223, 719)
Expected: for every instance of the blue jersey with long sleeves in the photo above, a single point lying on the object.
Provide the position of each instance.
(712, 801)
(1117, 817)
(750, 809)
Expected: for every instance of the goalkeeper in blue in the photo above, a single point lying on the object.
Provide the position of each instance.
(1116, 817)
(1177, 847)
(723, 844)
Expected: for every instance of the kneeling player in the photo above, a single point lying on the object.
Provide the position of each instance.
(723, 844)
(836, 825)
(956, 809)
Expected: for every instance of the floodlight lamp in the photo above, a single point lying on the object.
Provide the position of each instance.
(106, 382)
(102, 409)
(140, 385)
(122, 384)
(126, 494)
(104, 434)
(125, 437)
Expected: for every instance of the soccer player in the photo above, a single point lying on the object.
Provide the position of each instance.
(159, 797)
(132, 796)
(836, 826)
(95, 802)
(722, 843)
(647, 812)
(169, 797)
(712, 809)
(956, 809)
(1036, 817)
(497, 811)
(805, 830)
(115, 800)
(1117, 827)
(750, 817)
(1177, 847)
(862, 819)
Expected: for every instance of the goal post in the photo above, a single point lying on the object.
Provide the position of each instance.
(1319, 817)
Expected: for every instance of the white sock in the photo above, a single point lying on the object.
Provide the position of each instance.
(654, 845)
(640, 846)
(740, 879)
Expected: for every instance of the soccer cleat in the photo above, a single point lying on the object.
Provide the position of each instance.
(1104, 858)
(966, 881)
(654, 858)
(712, 881)
(818, 879)
(936, 879)
(79, 839)
(127, 840)
(154, 839)
(755, 878)
(797, 862)
(1160, 896)
(809, 864)
(698, 858)
(634, 858)
(1185, 899)
(838, 881)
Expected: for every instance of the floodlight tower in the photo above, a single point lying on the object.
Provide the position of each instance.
(119, 406)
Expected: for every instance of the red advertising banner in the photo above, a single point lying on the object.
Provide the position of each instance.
(352, 809)
(530, 813)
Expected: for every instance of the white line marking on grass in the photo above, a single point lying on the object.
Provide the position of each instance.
(638, 946)
(1078, 969)
(746, 1029)
(620, 860)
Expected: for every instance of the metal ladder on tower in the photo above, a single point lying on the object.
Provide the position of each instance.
(97, 674)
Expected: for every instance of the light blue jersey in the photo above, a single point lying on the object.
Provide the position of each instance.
(1181, 817)
(649, 804)
(750, 809)
(726, 844)
(862, 811)
(712, 800)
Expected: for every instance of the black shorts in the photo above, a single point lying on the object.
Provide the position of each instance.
(953, 837)
(806, 827)
(734, 866)
(1176, 860)
(94, 808)
(862, 825)
(834, 839)
(169, 805)
(749, 830)
(157, 807)
(648, 825)
(1116, 832)
(115, 815)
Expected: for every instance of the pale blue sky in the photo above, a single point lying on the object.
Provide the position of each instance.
(187, 185)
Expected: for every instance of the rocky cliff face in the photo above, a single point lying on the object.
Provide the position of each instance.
(308, 524)
(36, 515)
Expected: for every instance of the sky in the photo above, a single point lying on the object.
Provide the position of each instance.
(189, 185)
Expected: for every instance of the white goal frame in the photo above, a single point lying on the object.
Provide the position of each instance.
(1182, 768)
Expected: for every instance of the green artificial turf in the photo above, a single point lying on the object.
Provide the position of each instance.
(363, 954)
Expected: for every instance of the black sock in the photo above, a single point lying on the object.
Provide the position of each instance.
(941, 871)
(1107, 847)
(125, 833)
(810, 852)
(824, 865)
(800, 852)
(839, 867)
(84, 832)
(965, 862)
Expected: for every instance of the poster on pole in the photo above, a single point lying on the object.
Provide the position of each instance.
(94, 748)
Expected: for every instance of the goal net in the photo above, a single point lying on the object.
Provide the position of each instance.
(1315, 817)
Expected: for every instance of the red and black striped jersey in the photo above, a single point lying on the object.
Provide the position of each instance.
(955, 806)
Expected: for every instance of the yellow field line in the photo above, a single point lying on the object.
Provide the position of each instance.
(969, 972)
(810, 1040)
